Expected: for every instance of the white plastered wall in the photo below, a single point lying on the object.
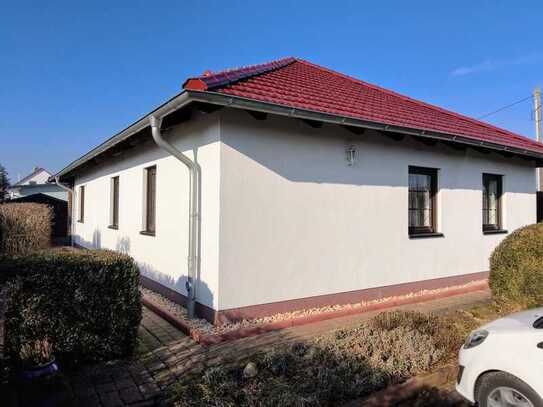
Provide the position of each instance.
(162, 257)
(297, 221)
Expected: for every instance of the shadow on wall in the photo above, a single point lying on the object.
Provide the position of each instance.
(123, 245)
(94, 243)
(317, 155)
(97, 239)
(204, 295)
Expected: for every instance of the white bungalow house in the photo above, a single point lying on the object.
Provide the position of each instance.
(36, 183)
(287, 185)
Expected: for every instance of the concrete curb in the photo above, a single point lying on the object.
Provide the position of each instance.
(400, 392)
(211, 339)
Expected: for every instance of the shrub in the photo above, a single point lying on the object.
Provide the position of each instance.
(447, 332)
(516, 268)
(86, 303)
(24, 227)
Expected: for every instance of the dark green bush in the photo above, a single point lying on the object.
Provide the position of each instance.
(86, 303)
(516, 268)
(24, 227)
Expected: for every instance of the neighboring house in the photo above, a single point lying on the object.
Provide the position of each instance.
(36, 183)
(313, 188)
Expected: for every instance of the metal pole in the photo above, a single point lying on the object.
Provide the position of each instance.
(537, 119)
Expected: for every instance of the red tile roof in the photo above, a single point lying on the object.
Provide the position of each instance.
(300, 84)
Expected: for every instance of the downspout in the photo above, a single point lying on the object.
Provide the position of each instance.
(194, 215)
(72, 193)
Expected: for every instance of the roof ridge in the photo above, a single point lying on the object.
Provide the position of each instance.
(418, 102)
(251, 66)
(229, 76)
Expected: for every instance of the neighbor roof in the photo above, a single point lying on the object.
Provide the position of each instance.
(31, 175)
(296, 83)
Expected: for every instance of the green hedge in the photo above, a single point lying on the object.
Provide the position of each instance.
(516, 268)
(86, 303)
(24, 227)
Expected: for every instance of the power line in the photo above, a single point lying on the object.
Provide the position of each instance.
(504, 107)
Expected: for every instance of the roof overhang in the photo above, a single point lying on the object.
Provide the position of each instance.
(175, 103)
(187, 97)
(266, 107)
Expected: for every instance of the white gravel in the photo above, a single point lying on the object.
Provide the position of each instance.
(177, 310)
(205, 327)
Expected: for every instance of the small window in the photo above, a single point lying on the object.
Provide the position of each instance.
(114, 205)
(149, 221)
(492, 193)
(82, 203)
(422, 200)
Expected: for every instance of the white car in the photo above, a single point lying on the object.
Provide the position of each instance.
(501, 363)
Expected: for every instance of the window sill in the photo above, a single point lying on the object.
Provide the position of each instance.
(113, 227)
(494, 232)
(147, 233)
(425, 235)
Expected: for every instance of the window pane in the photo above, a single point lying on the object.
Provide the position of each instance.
(421, 195)
(81, 203)
(491, 201)
(115, 202)
(151, 199)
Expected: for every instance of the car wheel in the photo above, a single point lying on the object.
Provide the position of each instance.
(501, 389)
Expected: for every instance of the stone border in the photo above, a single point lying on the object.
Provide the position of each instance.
(212, 339)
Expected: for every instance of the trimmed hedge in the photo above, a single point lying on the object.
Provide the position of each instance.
(516, 268)
(86, 303)
(24, 227)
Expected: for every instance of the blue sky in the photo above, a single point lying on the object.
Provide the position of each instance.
(73, 73)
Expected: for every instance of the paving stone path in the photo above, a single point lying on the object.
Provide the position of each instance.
(162, 349)
(165, 355)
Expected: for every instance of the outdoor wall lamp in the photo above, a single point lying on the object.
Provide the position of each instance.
(350, 152)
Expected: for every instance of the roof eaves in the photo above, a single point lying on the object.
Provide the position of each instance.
(284, 110)
(174, 103)
(420, 103)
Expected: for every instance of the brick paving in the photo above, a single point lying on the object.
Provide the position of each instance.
(161, 353)
(166, 355)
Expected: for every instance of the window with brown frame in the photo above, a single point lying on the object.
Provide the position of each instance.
(422, 200)
(149, 221)
(492, 193)
(81, 204)
(114, 205)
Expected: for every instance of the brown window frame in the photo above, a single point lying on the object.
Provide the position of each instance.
(149, 222)
(81, 218)
(432, 229)
(114, 214)
(498, 226)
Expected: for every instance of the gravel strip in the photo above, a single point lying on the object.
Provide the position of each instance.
(205, 327)
(177, 310)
